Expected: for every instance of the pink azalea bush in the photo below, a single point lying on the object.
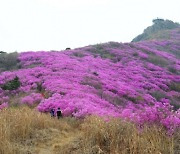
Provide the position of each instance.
(32, 99)
(3, 105)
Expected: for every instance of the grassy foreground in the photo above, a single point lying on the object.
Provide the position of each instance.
(26, 131)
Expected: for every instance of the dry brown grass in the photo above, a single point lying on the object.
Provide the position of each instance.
(23, 130)
(118, 137)
(20, 125)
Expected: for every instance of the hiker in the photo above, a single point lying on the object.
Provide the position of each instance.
(59, 113)
(52, 112)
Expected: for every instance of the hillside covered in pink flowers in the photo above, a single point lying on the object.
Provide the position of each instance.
(138, 81)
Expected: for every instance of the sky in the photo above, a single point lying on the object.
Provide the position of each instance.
(44, 25)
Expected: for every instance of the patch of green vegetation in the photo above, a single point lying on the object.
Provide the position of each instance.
(9, 61)
(141, 49)
(173, 70)
(168, 49)
(175, 103)
(162, 34)
(157, 60)
(135, 100)
(12, 85)
(91, 81)
(78, 54)
(158, 95)
(102, 52)
(115, 44)
(175, 86)
(139, 98)
(35, 64)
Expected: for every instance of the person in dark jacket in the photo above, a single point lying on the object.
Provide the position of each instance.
(59, 113)
(52, 112)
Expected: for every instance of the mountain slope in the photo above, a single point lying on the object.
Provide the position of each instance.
(138, 81)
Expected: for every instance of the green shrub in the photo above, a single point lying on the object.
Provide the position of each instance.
(175, 86)
(12, 85)
(158, 95)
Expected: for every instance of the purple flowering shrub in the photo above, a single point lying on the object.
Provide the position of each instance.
(3, 100)
(32, 99)
(3, 105)
(111, 79)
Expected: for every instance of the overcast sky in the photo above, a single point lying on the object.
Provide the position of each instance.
(34, 25)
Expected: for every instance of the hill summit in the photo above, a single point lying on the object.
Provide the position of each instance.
(159, 30)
